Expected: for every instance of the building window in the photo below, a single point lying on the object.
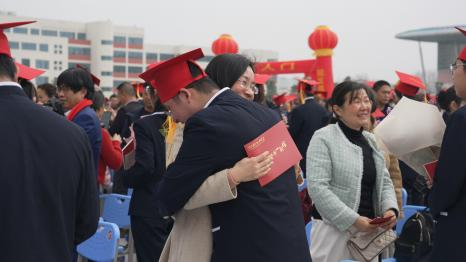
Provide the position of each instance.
(164, 56)
(20, 30)
(34, 31)
(28, 46)
(119, 54)
(42, 80)
(151, 56)
(106, 73)
(13, 45)
(119, 69)
(44, 47)
(81, 36)
(106, 42)
(69, 35)
(72, 50)
(26, 61)
(121, 40)
(106, 89)
(106, 58)
(135, 55)
(134, 69)
(49, 32)
(135, 42)
(42, 64)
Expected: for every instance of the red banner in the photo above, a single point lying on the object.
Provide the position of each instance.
(286, 67)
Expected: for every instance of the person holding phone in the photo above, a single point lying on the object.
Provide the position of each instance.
(347, 178)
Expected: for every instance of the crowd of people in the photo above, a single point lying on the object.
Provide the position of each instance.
(195, 192)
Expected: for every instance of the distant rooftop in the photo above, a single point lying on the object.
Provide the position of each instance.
(434, 34)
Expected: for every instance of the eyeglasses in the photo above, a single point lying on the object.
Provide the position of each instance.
(453, 67)
(251, 85)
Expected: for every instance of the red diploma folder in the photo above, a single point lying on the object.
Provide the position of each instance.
(278, 142)
(430, 169)
(129, 154)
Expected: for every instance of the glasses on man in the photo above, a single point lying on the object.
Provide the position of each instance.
(453, 67)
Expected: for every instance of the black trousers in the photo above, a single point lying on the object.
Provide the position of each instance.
(149, 236)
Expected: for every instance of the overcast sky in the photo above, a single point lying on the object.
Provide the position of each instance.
(366, 29)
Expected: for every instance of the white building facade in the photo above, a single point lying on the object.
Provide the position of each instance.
(112, 53)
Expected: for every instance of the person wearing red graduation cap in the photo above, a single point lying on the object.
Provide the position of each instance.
(448, 196)
(413, 182)
(218, 124)
(305, 119)
(47, 172)
(408, 85)
(76, 90)
(259, 95)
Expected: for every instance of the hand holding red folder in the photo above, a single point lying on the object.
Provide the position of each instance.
(278, 142)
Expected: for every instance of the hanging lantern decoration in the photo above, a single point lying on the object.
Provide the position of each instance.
(225, 44)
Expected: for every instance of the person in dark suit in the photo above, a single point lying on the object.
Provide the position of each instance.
(263, 223)
(48, 177)
(149, 229)
(448, 195)
(305, 119)
(129, 112)
(76, 90)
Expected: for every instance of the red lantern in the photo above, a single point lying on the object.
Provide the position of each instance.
(225, 44)
(322, 38)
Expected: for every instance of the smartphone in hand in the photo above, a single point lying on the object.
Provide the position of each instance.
(380, 220)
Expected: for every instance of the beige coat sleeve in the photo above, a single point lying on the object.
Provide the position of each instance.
(215, 189)
(395, 174)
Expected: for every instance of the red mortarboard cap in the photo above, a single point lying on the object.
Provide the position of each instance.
(95, 79)
(172, 75)
(461, 30)
(462, 54)
(28, 73)
(409, 84)
(370, 83)
(261, 79)
(283, 98)
(4, 47)
(303, 82)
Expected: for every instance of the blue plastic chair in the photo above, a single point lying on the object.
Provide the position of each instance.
(308, 232)
(115, 210)
(102, 246)
(404, 197)
(408, 210)
(303, 186)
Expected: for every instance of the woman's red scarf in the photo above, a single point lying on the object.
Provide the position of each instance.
(78, 107)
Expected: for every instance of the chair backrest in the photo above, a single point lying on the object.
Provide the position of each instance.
(116, 209)
(308, 232)
(408, 212)
(404, 197)
(102, 246)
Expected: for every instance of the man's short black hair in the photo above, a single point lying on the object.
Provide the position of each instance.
(76, 79)
(126, 88)
(7, 67)
(379, 84)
